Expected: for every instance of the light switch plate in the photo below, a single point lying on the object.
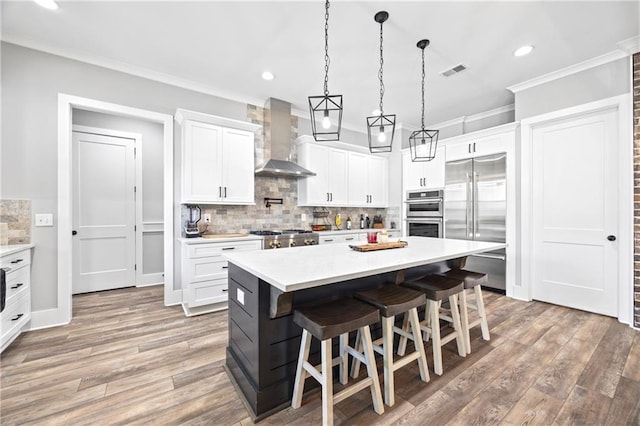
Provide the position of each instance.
(240, 296)
(207, 217)
(44, 219)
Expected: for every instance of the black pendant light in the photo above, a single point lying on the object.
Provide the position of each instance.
(423, 143)
(326, 110)
(381, 128)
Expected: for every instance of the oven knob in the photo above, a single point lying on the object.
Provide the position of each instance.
(293, 244)
(313, 242)
(274, 244)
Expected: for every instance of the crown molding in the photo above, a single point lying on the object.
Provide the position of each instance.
(490, 113)
(630, 45)
(572, 69)
(132, 70)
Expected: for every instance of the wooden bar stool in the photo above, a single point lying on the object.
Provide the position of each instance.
(392, 300)
(325, 321)
(437, 288)
(471, 280)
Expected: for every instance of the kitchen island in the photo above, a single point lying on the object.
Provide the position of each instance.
(265, 286)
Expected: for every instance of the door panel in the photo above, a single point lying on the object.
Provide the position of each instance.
(237, 179)
(574, 210)
(457, 200)
(103, 212)
(490, 198)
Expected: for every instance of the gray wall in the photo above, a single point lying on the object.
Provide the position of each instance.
(604, 81)
(31, 81)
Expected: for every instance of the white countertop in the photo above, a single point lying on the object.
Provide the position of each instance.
(354, 231)
(291, 269)
(7, 250)
(201, 240)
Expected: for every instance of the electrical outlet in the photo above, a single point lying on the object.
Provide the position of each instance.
(207, 218)
(44, 219)
(303, 217)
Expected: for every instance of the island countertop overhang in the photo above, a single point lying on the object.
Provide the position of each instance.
(300, 268)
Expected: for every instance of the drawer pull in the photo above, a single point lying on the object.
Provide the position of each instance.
(349, 239)
(328, 240)
(228, 248)
(225, 267)
(17, 261)
(17, 286)
(225, 289)
(17, 317)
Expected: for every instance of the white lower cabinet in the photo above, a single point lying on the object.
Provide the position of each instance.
(17, 310)
(341, 238)
(205, 274)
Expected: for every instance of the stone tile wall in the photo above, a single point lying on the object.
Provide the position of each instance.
(234, 219)
(636, 185)
(15, 222)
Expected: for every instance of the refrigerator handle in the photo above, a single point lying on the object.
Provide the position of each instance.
(475, 205)
(468, 207)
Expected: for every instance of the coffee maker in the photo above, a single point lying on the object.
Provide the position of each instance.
(191, 224)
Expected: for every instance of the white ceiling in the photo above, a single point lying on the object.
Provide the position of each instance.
(222, 47)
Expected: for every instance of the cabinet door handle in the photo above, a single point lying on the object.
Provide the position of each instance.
(219, 192)
(327, 196)
(474, 147)
(228, 248)
(225, 192)
(17, 317)
(225, 289)
(225, 267)
(17, 261)
(17, 286)
(331, 194)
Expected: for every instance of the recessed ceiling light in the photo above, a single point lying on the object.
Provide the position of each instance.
(268, 75)
(524, 50)
(48, 4)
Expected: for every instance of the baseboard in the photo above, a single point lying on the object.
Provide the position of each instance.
(149, 284)
(47, 318)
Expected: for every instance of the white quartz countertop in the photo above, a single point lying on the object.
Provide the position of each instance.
(297, 268)
(7, 250)
(201, 240)
(355, 231)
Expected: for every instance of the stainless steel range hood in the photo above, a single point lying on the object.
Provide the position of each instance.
(277, 142)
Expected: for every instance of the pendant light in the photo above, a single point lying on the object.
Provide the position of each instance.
(423, 143)
(381, 128)
(326, 110)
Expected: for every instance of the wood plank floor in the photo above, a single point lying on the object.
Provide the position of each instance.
(127, 359)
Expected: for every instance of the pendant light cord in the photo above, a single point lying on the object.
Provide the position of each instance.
(423, 89)
(380, 73)
(326, 49)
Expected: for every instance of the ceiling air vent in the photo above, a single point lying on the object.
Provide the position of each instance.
(455, 70)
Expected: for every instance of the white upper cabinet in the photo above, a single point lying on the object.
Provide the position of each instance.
(423, 174)
(329, 185)
(368, 180)
(343, 177)
(217, 161)
(476, 146)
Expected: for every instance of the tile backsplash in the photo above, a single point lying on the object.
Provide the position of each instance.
(15, 222)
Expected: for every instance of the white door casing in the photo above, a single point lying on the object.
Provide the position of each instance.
(103, 212)
(575, 199)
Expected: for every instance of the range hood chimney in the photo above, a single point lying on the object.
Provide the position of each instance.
(277, 142)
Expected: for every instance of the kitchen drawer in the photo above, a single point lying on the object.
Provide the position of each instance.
(334, 239)
(206, 268)
(14, 317)
(207, 292)
(217, 249)
(17, 283)
(16, 260)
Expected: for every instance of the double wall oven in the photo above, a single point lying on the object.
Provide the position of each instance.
(425, 212)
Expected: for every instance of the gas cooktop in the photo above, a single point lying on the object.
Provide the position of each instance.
(283, 232)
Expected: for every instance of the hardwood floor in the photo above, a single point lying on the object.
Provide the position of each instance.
(127, 359)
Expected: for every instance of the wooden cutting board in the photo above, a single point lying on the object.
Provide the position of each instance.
(379, 246)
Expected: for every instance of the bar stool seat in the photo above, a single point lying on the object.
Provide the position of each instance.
(326, 321)
(472, 280)
(437, 289)
(392, 300)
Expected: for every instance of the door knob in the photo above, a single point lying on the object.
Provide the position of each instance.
(611, 238)
(74, 232)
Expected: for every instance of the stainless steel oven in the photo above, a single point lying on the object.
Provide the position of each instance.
(425, 227)
(425, 203)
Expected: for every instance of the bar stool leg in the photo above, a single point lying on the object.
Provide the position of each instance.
(417, 341)
(402, 344)
(327, 382)
(370, 359)
(301, 373)
(387, 357)
(434, 320)
(344, 358)
(355, 366)
(455, 316)
(482, 313)
(464, 319)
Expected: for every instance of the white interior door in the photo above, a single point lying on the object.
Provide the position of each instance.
(575, 213)
(103, 212)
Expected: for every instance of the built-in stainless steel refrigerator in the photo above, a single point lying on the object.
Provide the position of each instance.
(475, 206)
